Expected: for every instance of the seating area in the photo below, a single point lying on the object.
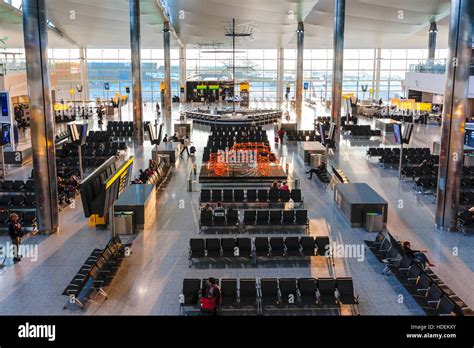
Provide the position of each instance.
(252, 220)
(98, 271)
(251, 197)
(27, 219)
(275, 296)
(258, 248)
(302, 135)
(158, 177)
(411, 156)
(120, 129)
(363, 131)
(428, 290)
(262, 118)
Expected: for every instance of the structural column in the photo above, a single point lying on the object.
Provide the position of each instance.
(167, 52)
(455, 105)
(135, 45)
(338, 65)
(280, 75)
(41, 111)
(433, 33)
(378, 65)
(182, 72)
(84, 75)
(299, 68)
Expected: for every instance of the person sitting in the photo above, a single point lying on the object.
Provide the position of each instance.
(284, 186)
(175, 137)
(320, 169)
(165, 139)
(143, 176)
(211, 297)
(418, 255)
(274, 193)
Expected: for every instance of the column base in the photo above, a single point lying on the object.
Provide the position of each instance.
(447, 229)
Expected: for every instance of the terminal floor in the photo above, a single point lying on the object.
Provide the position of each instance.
(150, 280)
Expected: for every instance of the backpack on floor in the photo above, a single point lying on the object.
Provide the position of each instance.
(192, 150)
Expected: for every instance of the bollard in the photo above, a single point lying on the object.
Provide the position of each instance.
(287, 168)
(297, 183)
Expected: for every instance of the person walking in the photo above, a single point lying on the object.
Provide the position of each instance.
(16, 233)
(185, 142)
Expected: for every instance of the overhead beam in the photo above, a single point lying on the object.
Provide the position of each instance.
(55, 29)
(166, 19)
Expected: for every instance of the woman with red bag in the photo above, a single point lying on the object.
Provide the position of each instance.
(211, 297)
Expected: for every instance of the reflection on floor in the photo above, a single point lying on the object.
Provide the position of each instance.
(150, 281)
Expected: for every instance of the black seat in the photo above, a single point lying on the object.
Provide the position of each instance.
(275, 217)
(263, 196)
(197, 248)
(213, 247)
(228, 246)
(205, 196)
(301, 217)
(228, 195)
(250, 217)
(269, 291)
(322, 245)
(217, 195)
(251, 195)
(288, 291)
(244, 246)
(277, 246)
(345, 291)
(229, 295)
(232, 217)
(262, 217)
(206, 218)
(261, 246)
(296, 195)
(327, 291)
(293, 247)
(191, 288)
(307, 288)
(288, 217)
(238, 195)
(273, 195)
(248, 292)
(5, 201)
(307, 245)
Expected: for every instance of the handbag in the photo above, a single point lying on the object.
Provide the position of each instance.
(208, 304)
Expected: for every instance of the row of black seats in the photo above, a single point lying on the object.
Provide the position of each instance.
(273, 295)
(250, 196)
(18, 201)
(400, 118)
(426, 184)
(302, 135)
(27, 219)
(258, 218)
(414, 172)
(465, 221)
(9, 186)
(264, 247)
(61, 137)
(430, 292)
(231, 129)
(114, 145)
(385, 151)
(100, 269)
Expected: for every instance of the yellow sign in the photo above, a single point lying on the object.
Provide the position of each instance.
(245, 86)
(162, 86)
(424, 106)
(347, 95)
(72, 91)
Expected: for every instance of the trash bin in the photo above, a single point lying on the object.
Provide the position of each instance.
(123, 222)
(374, 221)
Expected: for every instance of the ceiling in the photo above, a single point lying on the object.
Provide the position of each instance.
(369, 23)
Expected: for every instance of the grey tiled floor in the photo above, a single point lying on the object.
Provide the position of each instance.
(150, 280)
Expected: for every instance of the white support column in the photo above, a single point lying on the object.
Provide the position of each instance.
(182, 72)
(280, 75)
(378, 64)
